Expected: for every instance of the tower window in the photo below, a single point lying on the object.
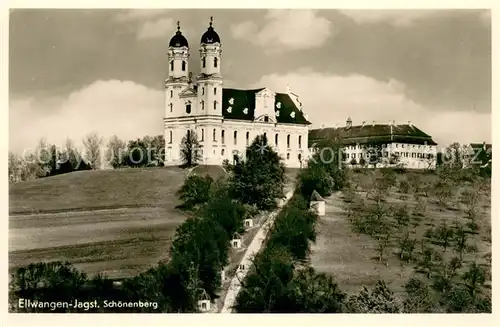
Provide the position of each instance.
(215, 91)
(203, 62)
(183, 66)
(215, 105)
(288, 141)
(171, 93)
(266, 119)
(300, 141)
(247, 138)
(170, 137)
(172, 65)
(188, 108)
(171, 106)
(222, 136)
(214, 139)
(288, 156)
(215, 62)
(202, 91)
(202, 135)
(235, 137)
(202, 105)
(276, 139)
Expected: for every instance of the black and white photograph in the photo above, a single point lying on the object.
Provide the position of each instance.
(249, 161)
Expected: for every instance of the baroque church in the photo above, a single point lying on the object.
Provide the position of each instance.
(226, 120)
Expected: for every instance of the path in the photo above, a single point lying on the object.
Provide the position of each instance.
(252, 250)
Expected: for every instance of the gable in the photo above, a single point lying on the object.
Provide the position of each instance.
(188, 93)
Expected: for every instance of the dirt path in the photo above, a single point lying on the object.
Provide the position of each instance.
(246, 262)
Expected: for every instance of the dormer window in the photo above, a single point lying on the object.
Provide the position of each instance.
(277, 113)
(231, 101)
(278, 105)
(245, 111)
(229, 109)
(292, 114)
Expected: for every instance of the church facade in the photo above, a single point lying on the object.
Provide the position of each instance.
(226, 120)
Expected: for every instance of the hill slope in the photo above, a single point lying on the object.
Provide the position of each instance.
(117, 221)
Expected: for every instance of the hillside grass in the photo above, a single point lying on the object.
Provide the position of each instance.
(118, 222)
(352, 257)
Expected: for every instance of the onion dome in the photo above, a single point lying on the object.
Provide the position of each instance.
(210, 36)
(178, 40)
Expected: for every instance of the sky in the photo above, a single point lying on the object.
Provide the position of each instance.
(76, 71)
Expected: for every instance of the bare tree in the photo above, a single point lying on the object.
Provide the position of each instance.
(116, 148)
(92, 143)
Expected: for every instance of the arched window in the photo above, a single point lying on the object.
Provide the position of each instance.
(215, 62)
(215, 105)
(300, 141)
(170, 137)
(276, 139)
(202, 91)
(188, 108)
(171, 106)
(288, 156)
(215, 91)
(183, 66)
(247, 138)
(202, 105)
(222, 152)
(235, 137)
(188, 134)
(222, 136)
(215, 140)
(203, 62)
(300, 156)
(288, 141)
(171, 93)
(202, 135)
(172, 65)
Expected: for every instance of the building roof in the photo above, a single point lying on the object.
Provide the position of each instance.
(243, 106)
(210, 36)
(376, 133)
(178, 40)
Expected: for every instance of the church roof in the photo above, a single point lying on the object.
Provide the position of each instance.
(210, 36)
(378, 133)
(178, 40)
(243, 106)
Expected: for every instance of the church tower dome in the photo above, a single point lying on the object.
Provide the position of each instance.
(210, 36)
(178, 40)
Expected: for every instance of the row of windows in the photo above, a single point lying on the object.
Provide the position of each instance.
(184, 64)
(204, 62)
(235, 138)
(188, 106)
(385, 154)
(414, 146)
(202, 92)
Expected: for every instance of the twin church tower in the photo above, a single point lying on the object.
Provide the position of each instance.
(225, 121)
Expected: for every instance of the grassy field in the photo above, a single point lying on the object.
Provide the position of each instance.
(118, 222)
(352, 257)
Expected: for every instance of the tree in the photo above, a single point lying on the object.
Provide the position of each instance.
(190, 150)
(443, 192)
(195, 190)
(418, 297)
(92, 143)
(115, 151)
(407, 245)
(259, 179)
(401, 215)
(310, 292)
(379, 300)
(46, 282)
(14, 168)
(461, 237)
(474, 279)
(444, 235)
